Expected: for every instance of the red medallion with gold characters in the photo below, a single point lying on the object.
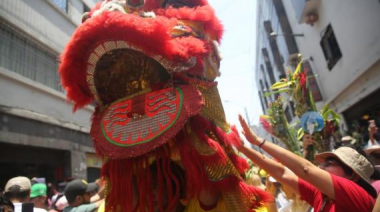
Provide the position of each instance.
(150, 66)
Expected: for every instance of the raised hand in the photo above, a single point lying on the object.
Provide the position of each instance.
(248, 133)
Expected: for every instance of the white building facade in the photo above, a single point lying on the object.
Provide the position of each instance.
(273, 52)
(342, 43)
(39, 134)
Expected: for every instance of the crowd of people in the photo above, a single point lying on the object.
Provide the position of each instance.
(346, 180)
(22, 194)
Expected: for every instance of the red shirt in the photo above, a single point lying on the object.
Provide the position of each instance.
(349, 197)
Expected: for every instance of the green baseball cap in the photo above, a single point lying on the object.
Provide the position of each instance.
(38, 189)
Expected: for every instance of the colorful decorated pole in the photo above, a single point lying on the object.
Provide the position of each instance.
(276, 124)
(321, 125)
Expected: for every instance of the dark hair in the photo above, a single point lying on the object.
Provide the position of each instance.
(71, 198)
(21, 195)
(51, 190)
(5, 202)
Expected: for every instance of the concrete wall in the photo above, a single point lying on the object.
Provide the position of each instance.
(266, 11)
(356, 27)
(46, 24)
(20, 92)
(44, 104)
(41, 20)
(359, 89)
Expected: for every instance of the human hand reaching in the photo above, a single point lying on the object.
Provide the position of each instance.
(248, 133)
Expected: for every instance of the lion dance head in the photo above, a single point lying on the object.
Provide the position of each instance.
(150, 68)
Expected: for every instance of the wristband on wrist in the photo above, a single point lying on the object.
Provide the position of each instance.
(262, 143)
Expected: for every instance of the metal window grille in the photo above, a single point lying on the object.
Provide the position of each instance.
(330, 47)
(23, 56)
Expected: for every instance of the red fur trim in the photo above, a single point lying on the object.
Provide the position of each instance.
(173, 198)
(195, 174)
(240, 163)
(227, 139)
(231, 183)
(151, 35)
(261, 197)
(119, 175)
(205, 14)
(200, 126)
(122, 174)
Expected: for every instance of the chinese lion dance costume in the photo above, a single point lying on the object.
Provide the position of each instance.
(150, 67)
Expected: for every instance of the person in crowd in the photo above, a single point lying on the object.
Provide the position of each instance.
(17, 190)
(93, 188)
(286, 200)
(38, 196)
(375, 180)
(59, 204)
(372, 131)
(6, 205)
(340, 184)
(348, 141)
(58, 199)
(96, 191)
(35, 180)
(373, 153)
(78, 197)
(370, 154)
(51, 193)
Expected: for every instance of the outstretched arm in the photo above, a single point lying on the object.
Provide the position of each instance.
(298, 165)
(273, 168)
